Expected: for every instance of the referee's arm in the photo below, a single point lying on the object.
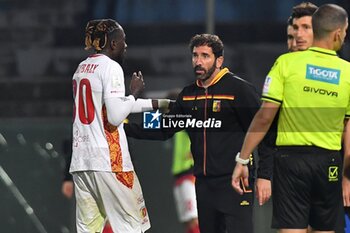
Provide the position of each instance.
(259, 127)
(256, 132)
(346, 166)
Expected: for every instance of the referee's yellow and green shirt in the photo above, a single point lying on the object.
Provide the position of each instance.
(313, 89)
(182, 157)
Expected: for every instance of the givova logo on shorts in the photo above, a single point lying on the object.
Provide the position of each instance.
(333, 173)
(322, 74)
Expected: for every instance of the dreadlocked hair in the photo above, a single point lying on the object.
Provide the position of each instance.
(96, 33)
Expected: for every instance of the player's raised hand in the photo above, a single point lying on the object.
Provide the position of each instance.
(137, 84)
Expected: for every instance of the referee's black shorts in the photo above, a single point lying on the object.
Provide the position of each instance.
(307, 188)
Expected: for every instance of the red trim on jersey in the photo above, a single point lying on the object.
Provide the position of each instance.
(183, 178)
(95, 55)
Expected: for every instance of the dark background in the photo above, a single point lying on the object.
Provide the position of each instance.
(41, 44)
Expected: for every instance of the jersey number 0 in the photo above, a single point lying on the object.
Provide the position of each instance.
(85, 103)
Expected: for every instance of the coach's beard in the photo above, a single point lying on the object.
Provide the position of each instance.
(206, 75)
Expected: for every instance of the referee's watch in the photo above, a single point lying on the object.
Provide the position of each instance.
(240, 160)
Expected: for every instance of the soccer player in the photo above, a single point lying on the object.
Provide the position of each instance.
(312, 91)
(106, 185)
(301, 23)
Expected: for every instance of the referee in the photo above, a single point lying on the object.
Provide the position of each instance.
(312, 90)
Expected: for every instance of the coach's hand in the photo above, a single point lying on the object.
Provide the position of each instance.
(240, 172)
(346, 191)
(263, 190)
(137, 84)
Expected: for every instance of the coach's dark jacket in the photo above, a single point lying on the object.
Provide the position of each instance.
(228, 99)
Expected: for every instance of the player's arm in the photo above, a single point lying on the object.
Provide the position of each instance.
(346, 166)
(144, 105)
(118, 108)
(137, 131)
(256, 132)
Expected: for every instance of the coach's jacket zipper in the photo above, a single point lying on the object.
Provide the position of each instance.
(205, 134)
(199, 84)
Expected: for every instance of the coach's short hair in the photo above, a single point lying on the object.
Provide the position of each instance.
(212, 41)
(327, 18)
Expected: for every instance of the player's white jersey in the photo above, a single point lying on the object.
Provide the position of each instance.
(98, 145)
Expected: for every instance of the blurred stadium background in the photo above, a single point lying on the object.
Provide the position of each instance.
(42, 42)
